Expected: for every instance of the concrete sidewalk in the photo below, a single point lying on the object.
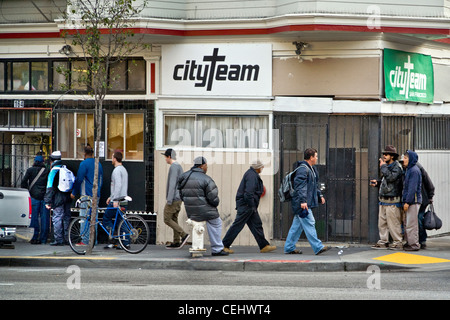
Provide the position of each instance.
(342, 257)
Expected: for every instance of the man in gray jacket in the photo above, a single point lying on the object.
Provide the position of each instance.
(173, 204)
(201, 198)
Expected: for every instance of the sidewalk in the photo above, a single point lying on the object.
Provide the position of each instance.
(341, 257)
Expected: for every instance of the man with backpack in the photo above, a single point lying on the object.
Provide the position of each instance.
(57, 197)
(35, 180)
(305, 197)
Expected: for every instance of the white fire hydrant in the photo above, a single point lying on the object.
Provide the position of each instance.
(198, 230)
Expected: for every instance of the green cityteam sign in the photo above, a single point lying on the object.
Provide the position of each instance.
(408, 76)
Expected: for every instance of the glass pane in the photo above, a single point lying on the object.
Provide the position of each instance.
(65, 135)
(136, 75)
(59, 76)
(30, 118)
(39, 76)
(3, 118)
(179, 131)
(16, 119)
(84, 132)
(134, 137)
(118, 76)
(234, 132)
(45, 119)
(2, 77)
(21, 76)
(114, 129)
(79, 75)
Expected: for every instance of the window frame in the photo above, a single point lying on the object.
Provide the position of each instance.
(199, 135)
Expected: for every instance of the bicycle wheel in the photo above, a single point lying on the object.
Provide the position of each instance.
(133, 234)
(79, 235)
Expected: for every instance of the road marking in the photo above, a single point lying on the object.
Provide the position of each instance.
(63, 258)
(408, 258)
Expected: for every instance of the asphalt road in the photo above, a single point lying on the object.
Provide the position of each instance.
(110, 284)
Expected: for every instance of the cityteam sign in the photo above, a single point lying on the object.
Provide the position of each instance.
(408, 76)
(217, 69)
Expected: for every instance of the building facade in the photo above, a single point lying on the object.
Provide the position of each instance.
(236, 81)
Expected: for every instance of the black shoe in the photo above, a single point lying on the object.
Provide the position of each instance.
(296, 251)
(221, 253)
(173, 246)
(54, 243)
(323, 250)
(35, 241)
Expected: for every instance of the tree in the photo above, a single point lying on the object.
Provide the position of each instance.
(101, 34)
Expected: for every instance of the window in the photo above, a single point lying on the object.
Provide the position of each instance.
(37, 76)
(125, 133)
(217, 131)
(65, 135)
(84, 133)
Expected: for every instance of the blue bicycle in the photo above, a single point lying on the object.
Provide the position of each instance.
(132, 231)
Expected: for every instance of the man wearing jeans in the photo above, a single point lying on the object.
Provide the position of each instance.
(119, 190)
(306, 197)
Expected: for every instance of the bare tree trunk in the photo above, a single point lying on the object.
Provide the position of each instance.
(98, 129)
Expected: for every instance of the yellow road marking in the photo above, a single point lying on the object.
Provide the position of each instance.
(53, 257)
(408, 258)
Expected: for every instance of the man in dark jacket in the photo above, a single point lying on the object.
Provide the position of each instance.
(389, 195)
(58, 201)
(306, 197)
(35, 180)
(412, 198)
(247, 201)
(201, 198)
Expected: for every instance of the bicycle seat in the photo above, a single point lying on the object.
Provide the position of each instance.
(126, 198)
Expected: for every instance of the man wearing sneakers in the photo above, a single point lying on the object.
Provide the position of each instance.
(390, 192)
(173, 204)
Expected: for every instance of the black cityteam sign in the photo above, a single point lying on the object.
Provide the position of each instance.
(204, 74)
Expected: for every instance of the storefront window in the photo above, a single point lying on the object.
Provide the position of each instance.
(179, 131)
(65, 135)
(125, 133)
(84, 133)
(118, 76)
(210, 131)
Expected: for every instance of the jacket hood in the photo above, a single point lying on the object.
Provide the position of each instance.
(413, 158)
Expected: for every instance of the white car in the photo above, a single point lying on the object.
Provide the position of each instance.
(15, 211)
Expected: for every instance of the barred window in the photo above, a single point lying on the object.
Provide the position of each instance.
(432, 133)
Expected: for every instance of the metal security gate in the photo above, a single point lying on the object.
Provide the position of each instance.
(344, 144)
(17, 155)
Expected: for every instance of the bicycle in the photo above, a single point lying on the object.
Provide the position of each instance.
(132, 230)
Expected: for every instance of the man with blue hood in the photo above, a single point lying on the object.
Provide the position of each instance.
(412, 198)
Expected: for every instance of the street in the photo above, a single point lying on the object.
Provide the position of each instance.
(74, 283)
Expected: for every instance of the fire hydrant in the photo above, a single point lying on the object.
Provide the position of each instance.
(198, 230)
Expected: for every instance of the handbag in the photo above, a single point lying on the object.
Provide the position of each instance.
(431, 220)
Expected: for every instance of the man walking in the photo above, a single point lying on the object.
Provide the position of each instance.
(119, 190)
(247, 202)
(58, 201)
(306, 197)
(35, 180)
(201, 198)
(389, 195)
(173, 201)
(412, 198)
(84, 183)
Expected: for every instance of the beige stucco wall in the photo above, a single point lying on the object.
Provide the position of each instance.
(226, 169)
(344, 78)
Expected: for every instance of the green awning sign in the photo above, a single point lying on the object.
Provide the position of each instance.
(408, 76)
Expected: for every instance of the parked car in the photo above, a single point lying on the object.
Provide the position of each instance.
(15, 211)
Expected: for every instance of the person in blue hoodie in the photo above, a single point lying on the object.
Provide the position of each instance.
(306, 197)
(84, 184)
(412, 198)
